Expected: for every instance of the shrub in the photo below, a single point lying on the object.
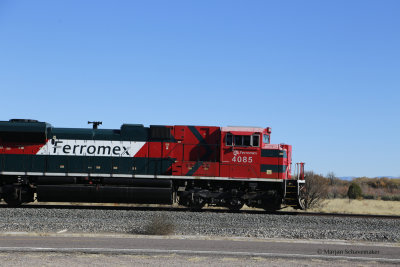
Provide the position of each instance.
(391, 198)
(354, 191)
(369, 197)
(315, 191)
(159, 225)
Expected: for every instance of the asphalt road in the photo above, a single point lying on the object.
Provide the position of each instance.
(377, 252)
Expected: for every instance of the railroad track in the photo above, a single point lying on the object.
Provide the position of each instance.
(210, 209)
(76, 218)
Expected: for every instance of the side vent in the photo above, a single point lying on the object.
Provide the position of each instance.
(23, 120)
(160, 132)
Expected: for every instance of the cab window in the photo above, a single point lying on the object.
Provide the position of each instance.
(229, 139)
(266, 139)
(238, 140)
(243, 140)
(246, 140)
(256, 140)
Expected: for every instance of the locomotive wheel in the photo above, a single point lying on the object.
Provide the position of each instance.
(12, 195)
(11, 202)
(197, 204)
(272, 202)
(196, 207)
(272, 205)
(234, 205)
(12, 199)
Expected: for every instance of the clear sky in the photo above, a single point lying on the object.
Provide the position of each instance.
(325, 75)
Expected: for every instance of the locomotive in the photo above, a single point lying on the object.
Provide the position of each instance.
(193, 166)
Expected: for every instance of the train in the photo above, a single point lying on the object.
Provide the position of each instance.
(192, 166)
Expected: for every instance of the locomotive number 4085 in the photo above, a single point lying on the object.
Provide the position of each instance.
(243, 159)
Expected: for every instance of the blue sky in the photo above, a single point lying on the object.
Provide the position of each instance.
(325, 75)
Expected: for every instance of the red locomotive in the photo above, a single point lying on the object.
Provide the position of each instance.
(191, 165)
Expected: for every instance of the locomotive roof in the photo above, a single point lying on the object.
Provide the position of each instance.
(134, 132)
(242, 129)
(23, 126)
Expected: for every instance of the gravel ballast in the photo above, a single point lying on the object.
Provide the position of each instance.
(206, 223)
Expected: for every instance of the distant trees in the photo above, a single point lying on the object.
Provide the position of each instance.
(354, 191)
(379, 188)
(318, 187)
(334, 184)
(332, 177)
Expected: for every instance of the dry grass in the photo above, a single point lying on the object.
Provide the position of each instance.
(364, 206)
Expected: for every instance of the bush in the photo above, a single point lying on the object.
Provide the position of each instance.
(369, 197)
(315, 191)
(159, 225)
(354, 191)
(391, 198)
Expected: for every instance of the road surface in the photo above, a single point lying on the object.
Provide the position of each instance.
(196, 246)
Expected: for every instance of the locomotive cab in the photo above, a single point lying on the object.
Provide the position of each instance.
(247, 152)
(241, 151)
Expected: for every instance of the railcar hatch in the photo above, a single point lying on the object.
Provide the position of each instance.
(23, 131)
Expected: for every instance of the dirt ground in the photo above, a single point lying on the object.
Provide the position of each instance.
(364, 206)
(84, 259)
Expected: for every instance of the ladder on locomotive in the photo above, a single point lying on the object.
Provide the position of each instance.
(293, 188)
(291, 193)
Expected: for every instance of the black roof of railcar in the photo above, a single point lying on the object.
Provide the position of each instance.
(23, 126)
(128, 132)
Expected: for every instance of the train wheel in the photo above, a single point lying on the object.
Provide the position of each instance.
(272, 205)
(272, 202)
(11, 202)
(197, 203)
(234, 205)
(14, 196)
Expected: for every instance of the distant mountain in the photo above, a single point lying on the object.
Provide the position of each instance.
(349, 178)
